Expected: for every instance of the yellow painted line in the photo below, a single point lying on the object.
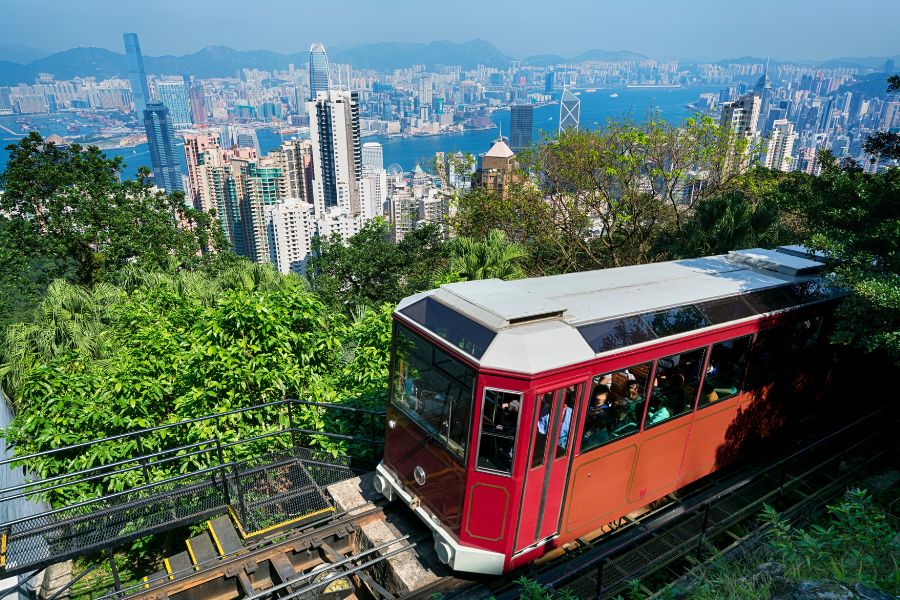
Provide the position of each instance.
(212, 532)
(289, 521)
(168, 568)
(191, 553)
(237, 522)
(3, 550)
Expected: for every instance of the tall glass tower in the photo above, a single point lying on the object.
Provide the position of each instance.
(569, 111)
(174, 94)
(161, 139)
(318, 70)
(135, 62)
(521, 125)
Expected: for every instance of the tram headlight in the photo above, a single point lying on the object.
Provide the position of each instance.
(419, 475)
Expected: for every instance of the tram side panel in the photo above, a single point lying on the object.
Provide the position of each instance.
(409, 447)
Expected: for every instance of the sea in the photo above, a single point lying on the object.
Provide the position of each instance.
(597, 107)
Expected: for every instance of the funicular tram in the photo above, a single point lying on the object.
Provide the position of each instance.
(524, 414)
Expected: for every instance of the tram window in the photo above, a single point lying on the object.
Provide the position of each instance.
(726, 309)
(727, 363)
(772, 299)
(675, 320)
(499, 423)
(768, 358)
(567, 414)
(618, 333)
(465, 334)
(433, 388)
(675, 386)
(542, 427)
(616, 406)
(804, 334)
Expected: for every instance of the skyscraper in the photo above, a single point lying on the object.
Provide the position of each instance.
(337, 151)
(741, 118)
(521, 126)
(161, 139)
(372, 156)
(569, 111)
(173, 93)
(779, 153)
(195, 147)
(197, 103)
(318, 71)
(135, 62)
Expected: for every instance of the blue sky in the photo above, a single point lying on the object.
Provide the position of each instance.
(668, 29)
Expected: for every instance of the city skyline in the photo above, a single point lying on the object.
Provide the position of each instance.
(821, 33)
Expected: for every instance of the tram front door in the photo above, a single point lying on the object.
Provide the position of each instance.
(552, 437)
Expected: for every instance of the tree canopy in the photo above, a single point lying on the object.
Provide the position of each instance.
(67, 213)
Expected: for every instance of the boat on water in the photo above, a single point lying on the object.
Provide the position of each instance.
(614, 95)
(590, 91)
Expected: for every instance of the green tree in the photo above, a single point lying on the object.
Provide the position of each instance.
(68, 203)
(854, 217)
(886, 144)
(728, 222)
(371, 270)
(601, 198)
(493, 257)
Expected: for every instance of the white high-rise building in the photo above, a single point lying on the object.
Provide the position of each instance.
(741, 117)
(337, 152)
(291, 227)
(779, 153)
(374, 192)
(372, 156)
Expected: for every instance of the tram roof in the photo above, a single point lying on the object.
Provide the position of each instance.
(531, 325)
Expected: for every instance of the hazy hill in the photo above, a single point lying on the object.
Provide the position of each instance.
(610, 55)
(872, 62)
(221, 61)
(20, 54)
(544, 60)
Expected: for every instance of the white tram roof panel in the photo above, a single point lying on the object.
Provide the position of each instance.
(592, 296)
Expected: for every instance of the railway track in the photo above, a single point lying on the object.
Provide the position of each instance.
(674, 537)
(329, 559)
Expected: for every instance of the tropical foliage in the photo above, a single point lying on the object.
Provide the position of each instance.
(110, 360)
(64, 212)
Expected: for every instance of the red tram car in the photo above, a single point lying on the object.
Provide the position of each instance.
(525, 414)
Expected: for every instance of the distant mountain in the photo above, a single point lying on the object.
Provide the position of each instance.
(746, 60)
(221, 61)
(610, 55)
(393, 55)
(870, 62)
(545, 60)
(870, 86)
(20, 54)
(77, 62)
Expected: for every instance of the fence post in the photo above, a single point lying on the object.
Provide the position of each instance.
(240, 494)
(599, 588)
(115, 569)
(291, 423)
(224, 473)
(372, 436)
(703, 529)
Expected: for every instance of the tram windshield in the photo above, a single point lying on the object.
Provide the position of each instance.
(432, 388)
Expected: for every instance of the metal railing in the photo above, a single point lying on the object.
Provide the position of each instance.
(153, 481)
